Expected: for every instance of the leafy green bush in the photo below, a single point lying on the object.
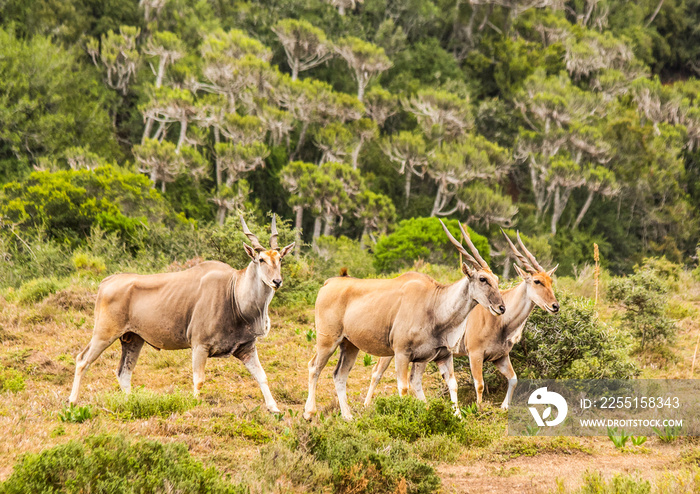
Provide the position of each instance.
(107, 463)
(336, 253)
(573, 344)
(76, 415)
(142, 404)
(86, 263)
(37, 290)
(422, 238)
(11, 380)
(643, 295)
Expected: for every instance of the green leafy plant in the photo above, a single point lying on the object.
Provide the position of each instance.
(310, 334)
(11, 380)
(142, 404)
(76, 415)
(668, 434)
(619, 439)
(367, 360)
(638, 440)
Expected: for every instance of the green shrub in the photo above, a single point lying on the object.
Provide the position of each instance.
(37, 290)
(11, 380)
(422, 238)
(643, 296)
(76, 415)
(142, 404)
(112, 464)
(573, 344)
(86, 263)
(336, 253)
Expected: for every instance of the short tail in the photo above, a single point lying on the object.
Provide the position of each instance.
(344, 272)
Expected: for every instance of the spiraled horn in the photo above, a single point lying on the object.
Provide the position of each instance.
(273, 230)
(459, 246)
(473, 248)
(529, 255)
(523, 260)
(253, 239)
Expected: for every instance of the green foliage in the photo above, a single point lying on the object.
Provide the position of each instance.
(668, 434)
(422, 238)
(643, 295)
(37, 289)
(573, 344)
(595, 483)
(142, 404)
(50, 102)
(67, 204)
(11, 380)
(342, 252)
(619, 439)
(106, 463)
(76, 415)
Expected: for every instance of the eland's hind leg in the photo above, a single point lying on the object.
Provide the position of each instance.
(377, 373)
(316, 365)
(97, 345)
(131, 348)
(348, 355)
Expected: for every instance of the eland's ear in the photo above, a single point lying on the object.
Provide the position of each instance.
(250, 251)
(467, 270)
(522, 273)
(551, 271)
(286, 250)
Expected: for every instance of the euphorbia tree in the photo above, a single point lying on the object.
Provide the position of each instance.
(409, 151)
(305, 45)
(364, 59)
(376, 211)
(298, 179)
(159, 160)
(119, 55)
(441, 114)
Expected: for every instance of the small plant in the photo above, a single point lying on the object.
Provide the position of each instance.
(11, 380)
(310, 334)
(37, 290)
(531, 430)
(638, 440)
(367, 360)
(619, 439)
(668, 434)
(75, 415)
(142, 404)
(471, 409)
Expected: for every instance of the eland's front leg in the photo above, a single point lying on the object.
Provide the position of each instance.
(377, 373)
(252, 363)
(199, 360)
(506, 369)
(447, 370)
(417, 371)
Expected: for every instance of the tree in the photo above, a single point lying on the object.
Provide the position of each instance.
(172, 105)
(410, 152)
(306, 46)
(338, 185)
(335, 141)
(119, 55)
(453, 165)
(168, 49)
(49, 102)
(486, 204)
(342, 5)
(297, 179)
(363, 131)
(376, 212)
(364, 59)
(441, 114)
(380, 104)
(159, 160)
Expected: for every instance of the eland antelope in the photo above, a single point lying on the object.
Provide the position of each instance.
(411, 317)
(212, 308)
(488, 338)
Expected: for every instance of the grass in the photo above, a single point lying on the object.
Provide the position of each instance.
(142, 404)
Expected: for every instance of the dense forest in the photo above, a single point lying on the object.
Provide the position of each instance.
(573, 121)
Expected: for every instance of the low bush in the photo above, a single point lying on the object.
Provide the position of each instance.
(11, 380)
(573, 344)
(643, 296)
(36, 290)
(336, 253)
(107, 463)
(142, 404)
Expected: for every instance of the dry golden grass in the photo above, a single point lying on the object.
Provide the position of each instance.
(229, 425)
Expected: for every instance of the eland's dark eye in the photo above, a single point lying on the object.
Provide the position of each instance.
(482, 279)
(538, 282)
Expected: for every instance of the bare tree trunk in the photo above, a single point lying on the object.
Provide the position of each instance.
(656, 12)
(217, 140)
(407, 185)
(183, 134)
(362, 237)
(299, 210)
(154, 177)
(488, 13)
(317, 232)
(506, 268)
(147, 130)
(436, 203)
(328, 226)
(295, 70)
(159, 83)
(300, 142)
(356, 154)
(162, 186)
(584, 209)
(560, 200)
(221, 215)
(361, 85)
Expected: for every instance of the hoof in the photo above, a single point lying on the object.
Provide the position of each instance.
(274, 409)
(308, 415)
(504, 406)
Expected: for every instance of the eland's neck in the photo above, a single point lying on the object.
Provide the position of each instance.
(518, 308)
(454, 303)
(252, 296)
